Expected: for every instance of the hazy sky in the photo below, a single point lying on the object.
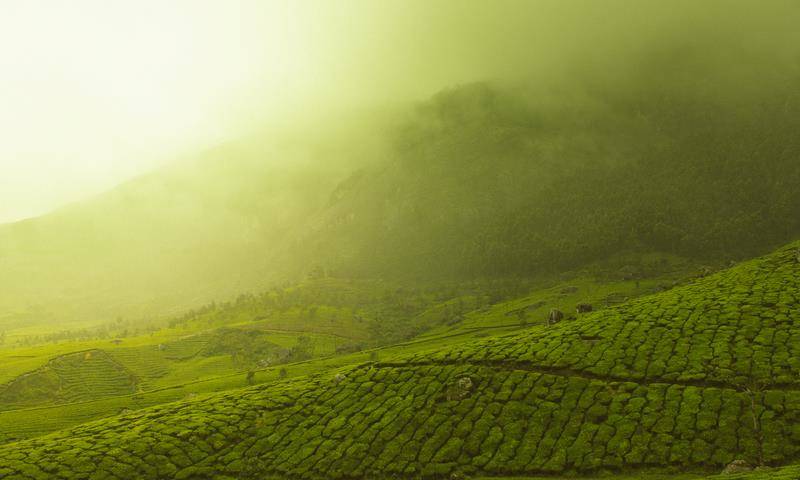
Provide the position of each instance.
(96, 91)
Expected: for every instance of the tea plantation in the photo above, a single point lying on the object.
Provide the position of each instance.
(737, 329)
(69, 378)
(687, 380)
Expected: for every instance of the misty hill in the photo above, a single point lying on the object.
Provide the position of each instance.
(715, 379)
(488, 181)
(483, 180)
(204, 229)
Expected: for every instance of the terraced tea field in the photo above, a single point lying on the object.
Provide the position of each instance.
(685, 380)
(29, 423)
(191, 359)
(114, 370)
(737, 329)
(70, 378)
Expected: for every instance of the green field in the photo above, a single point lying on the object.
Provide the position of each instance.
(685, 380)
(213, 348)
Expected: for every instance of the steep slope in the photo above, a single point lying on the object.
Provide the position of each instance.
(694, 377)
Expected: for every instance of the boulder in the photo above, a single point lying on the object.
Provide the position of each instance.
(583, 308)
(461, 389)
(737, 466)
(555, 316)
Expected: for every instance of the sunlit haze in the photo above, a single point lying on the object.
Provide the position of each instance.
(94, 92)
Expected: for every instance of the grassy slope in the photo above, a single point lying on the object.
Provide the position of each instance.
(691, 378)
(174, 372)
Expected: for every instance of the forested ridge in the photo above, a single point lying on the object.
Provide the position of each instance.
(485, 180)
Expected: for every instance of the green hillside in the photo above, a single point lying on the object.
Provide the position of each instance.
(689, 379)
(69, 378)
(288, 332)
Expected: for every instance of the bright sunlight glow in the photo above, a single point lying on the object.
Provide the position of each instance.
(94, 91)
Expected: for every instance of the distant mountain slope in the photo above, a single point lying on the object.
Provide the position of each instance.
(487, 180)
(483, 180)
(572, 399)
(207, 228)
